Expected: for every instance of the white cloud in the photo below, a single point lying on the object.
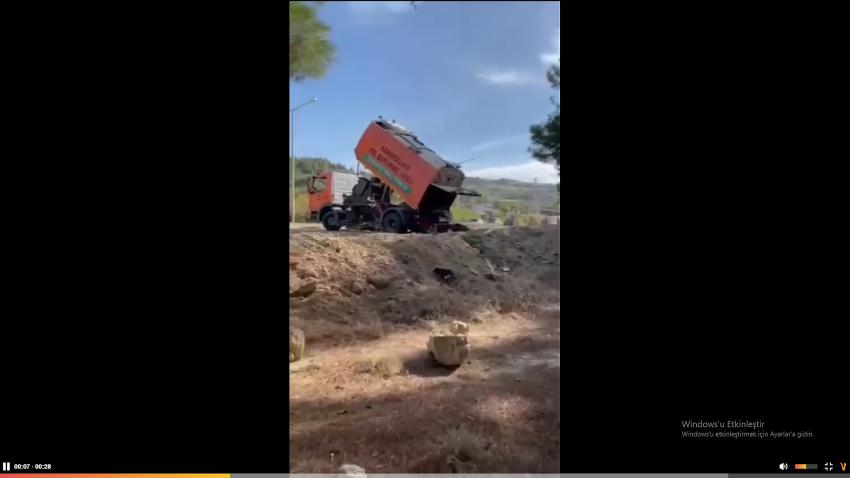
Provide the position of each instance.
(507, 77)
(483, 146)
(551, 57)
(545, 173)
(516, 77)
(377, 7)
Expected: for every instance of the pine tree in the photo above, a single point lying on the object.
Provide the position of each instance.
(546, 137)
(310, 51)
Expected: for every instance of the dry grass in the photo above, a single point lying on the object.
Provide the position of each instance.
(320, 332)
(389, 364)
(386, 364)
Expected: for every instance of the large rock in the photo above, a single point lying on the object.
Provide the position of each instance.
(296, 344)
(449, 350)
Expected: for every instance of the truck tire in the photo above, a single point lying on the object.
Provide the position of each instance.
(392, 222)
(330, 221)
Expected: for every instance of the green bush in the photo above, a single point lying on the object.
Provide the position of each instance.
(461, 213)
(530, 220)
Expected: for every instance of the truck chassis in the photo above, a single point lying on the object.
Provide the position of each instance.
(369, 208)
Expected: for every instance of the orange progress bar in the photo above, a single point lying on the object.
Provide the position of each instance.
(115, 475)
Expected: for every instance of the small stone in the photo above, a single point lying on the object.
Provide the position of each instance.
(304, 290)
(459, 328)
(378, 282)
(296, 344)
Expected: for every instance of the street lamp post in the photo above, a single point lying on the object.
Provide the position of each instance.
(292, 148)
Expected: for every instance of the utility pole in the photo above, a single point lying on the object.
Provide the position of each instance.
(292, 150)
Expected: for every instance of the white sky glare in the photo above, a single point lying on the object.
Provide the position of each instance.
(551, 57)
(544, 172)
(507, 77)
(487, 145)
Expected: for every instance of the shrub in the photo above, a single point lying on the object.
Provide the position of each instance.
(302, 207)
(461, 213)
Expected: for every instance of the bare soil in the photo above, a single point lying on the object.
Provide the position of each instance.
(367, 392)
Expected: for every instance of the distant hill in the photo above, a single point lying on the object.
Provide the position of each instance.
(504, 194)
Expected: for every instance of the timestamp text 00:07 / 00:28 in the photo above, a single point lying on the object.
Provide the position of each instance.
(37, 466)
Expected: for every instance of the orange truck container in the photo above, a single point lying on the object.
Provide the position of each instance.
(426, 184)
(406, 165)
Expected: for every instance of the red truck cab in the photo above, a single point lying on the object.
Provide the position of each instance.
(326, 189)
(318, 193)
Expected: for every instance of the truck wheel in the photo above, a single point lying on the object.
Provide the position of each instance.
(392, 223)
(329, 220)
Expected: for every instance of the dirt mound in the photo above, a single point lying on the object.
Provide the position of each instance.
(368, 391)
(378, 281)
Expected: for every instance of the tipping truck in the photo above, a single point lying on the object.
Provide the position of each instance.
(411, 187)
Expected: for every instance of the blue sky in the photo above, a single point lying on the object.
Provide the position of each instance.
(468, 78)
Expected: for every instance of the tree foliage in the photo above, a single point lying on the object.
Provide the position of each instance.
(546, 136)
(310, 50)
